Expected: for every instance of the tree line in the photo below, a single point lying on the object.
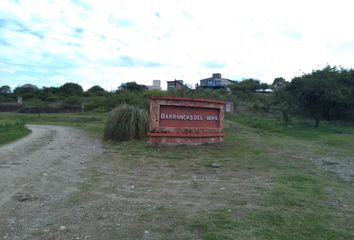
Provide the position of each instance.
(324, 94)
(28, 91)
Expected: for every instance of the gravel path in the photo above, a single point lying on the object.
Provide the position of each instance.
(37, 174)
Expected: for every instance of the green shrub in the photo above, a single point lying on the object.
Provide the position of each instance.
(71, 103)
(126, 122)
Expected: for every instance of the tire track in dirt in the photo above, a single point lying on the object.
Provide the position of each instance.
(37, 174)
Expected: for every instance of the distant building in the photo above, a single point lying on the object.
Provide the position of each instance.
(229, 106)
(175, 85)
(268, 90)
(156, 85)
(216, 81)
(19, 100)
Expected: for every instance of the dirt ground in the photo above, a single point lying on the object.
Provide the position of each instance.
(58, 183)
(37, 175)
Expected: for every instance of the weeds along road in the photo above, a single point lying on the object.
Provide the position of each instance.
(36, 174)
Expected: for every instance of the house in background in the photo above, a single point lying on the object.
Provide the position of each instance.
(175, 85)
(156, 85)
(216, 81)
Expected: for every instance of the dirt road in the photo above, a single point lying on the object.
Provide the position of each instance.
(58, 183)
(37, 174)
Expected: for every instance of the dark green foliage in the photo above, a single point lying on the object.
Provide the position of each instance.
(220, 94)
(51, 90)
(26, 91)
(96, 90)
(246, 89)
(4, 98)
(71, 103)
(131, 86)
(286, 104)
(263, 86)
(247, 85)
(136, 98)
(323, 94)
(278, 82)
(5, 89)
(39, 105)
(71, 89)
(261, 103)
(51, 98)
(126, 122)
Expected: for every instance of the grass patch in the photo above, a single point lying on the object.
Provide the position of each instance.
(11, 130)
(295, 205)
(295, 208)
(284, 195)
(89, 121)
(332, 133)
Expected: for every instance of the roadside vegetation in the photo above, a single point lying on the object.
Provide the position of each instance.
(271, 181)
(11, 130)
(285, 170)
(126, 122)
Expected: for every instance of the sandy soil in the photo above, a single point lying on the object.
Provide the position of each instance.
(37, 175)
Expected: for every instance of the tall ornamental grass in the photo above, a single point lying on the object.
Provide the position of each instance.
(126, 122)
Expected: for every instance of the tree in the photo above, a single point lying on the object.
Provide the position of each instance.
(246, 89)
(51, 90)
(26, 91)
(71, 89)
(286, 103)
(97, 90)
(5, 89)
(247, 85)
(131, 86)
(321, 92)
(278, 82)
(264, 86)
(39, 105)
(348, 81)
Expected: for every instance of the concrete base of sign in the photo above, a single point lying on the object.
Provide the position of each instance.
(178, 139)
(177, 121)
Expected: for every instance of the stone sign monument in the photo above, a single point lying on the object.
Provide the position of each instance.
(192, 121)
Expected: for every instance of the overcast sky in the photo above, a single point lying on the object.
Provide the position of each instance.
(106, 43)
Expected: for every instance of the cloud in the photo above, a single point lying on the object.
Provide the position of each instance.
(294, 34)
(125, 23)
(78, 30)
(345, 48)
(127, 61)
(7, 70)
(214, 64)
(107, 43)
(83, 4)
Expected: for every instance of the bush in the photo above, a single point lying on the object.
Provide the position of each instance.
(71, 103)
(126, 122)
(95, 103)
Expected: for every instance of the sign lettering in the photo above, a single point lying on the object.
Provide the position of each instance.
(166, 116)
